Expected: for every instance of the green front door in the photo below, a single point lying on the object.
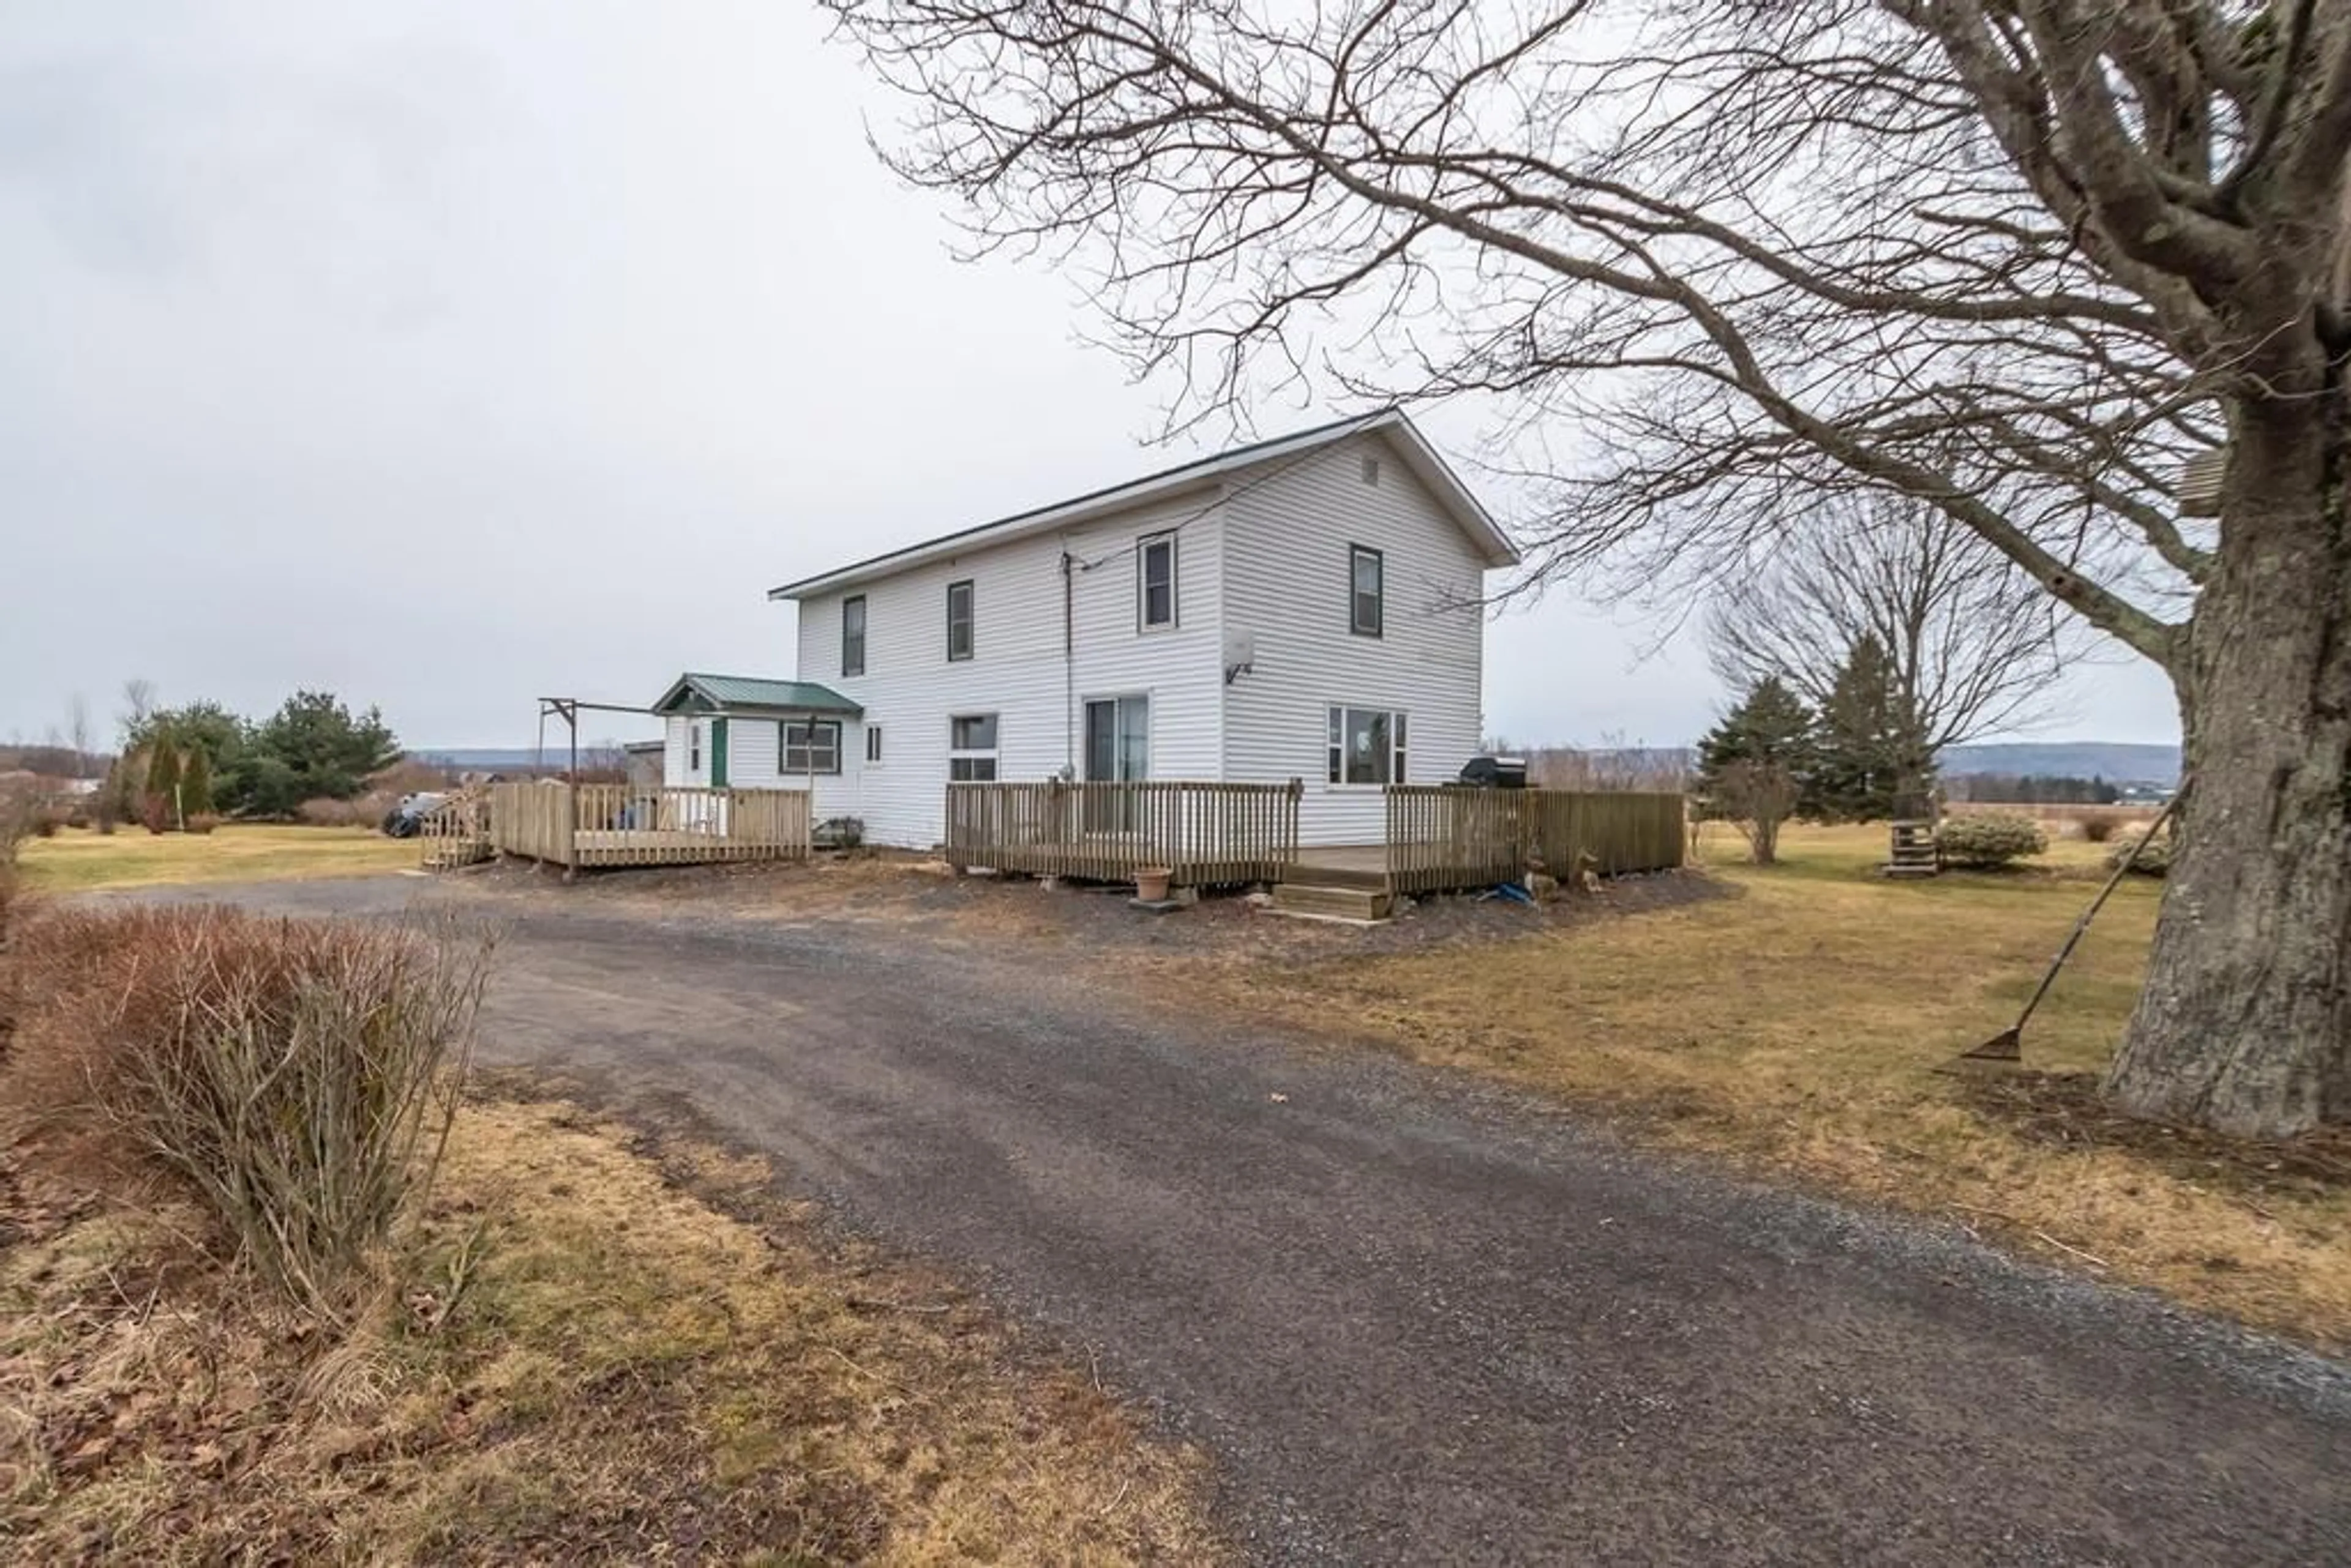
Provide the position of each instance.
(719, 754)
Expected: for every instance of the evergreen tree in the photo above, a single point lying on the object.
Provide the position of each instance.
(196, 785)
(1755, 768)
(1770, 724)
(1873, 758)
(311, 747)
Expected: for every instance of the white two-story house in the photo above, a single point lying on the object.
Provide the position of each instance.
(1308, 608)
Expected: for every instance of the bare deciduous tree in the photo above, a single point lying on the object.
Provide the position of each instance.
(77, 730)
(138, 706)
(1756, 796)
(2015, 258)
(1973, 645)
(1615, 765)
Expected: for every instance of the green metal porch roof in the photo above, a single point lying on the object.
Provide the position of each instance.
(694, 693)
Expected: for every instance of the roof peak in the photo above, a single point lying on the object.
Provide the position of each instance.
(1466, 511)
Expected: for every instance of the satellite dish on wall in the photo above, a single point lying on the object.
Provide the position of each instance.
(1240, 655)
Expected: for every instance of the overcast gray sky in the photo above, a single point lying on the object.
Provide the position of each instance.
(443, 355)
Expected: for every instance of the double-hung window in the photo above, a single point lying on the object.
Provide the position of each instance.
(1154, 581)
(1367, 597)
(810, 745)
(852, 635)
(959, 640)
(1367, 746)
(971, 749)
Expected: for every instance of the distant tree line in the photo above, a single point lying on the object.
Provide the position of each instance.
(2033, 790)
(179, 765)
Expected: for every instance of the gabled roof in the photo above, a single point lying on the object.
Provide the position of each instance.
(725, 694)
(1423, 459)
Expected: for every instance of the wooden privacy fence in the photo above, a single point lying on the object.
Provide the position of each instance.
(1621, 830)
(1443, 837)
(627, 824)
(1203, 834)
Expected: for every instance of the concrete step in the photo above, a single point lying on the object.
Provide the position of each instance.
(1329, 903)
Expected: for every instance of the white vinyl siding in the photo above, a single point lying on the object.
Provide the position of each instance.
(1017, 671)
(1289, 588)
(1263, 557)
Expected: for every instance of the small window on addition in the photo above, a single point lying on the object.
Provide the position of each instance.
(810, 746)
(872, 743)
(1371, 469)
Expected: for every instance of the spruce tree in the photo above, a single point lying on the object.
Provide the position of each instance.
(1874, 763)
(1756, 767)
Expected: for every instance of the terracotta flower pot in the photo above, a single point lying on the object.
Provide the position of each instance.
(1151, 883)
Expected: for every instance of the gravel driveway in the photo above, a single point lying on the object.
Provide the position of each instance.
(1417, 1318)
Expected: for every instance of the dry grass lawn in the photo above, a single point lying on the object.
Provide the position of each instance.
(77, 860)
(1799, 1025)
(581, 1355)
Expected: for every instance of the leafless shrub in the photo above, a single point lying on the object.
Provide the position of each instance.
(296, 1077)
(20, 813)
(2097, 827)
(1757, 797)
(326, 812)
(1610, 767)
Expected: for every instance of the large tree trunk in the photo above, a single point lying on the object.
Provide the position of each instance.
(2245, 1022)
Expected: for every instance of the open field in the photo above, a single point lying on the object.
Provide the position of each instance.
(77, 860)
(577, 1355)
(1799, 1027)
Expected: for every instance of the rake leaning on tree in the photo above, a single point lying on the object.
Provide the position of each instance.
(2016, 257)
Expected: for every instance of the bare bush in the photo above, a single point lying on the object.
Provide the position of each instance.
(298, 1078)
(1610, 767)
(2097, 827)
(20, 813)
(1757, 797)
(326, 812)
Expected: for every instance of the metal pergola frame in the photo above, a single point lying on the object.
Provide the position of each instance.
(568, 709)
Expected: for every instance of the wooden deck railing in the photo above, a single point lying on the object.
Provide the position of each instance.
(1205, 834)
(627, 824)
(457, 832)
(1439, 837)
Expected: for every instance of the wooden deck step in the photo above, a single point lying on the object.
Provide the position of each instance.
(1329, 902)
(1313, 873)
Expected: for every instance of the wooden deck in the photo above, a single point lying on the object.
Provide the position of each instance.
(601, 825)
(1205, 834)
(1438, 837)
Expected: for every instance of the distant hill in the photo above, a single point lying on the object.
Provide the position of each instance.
(2111, 760)
(493, 759)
